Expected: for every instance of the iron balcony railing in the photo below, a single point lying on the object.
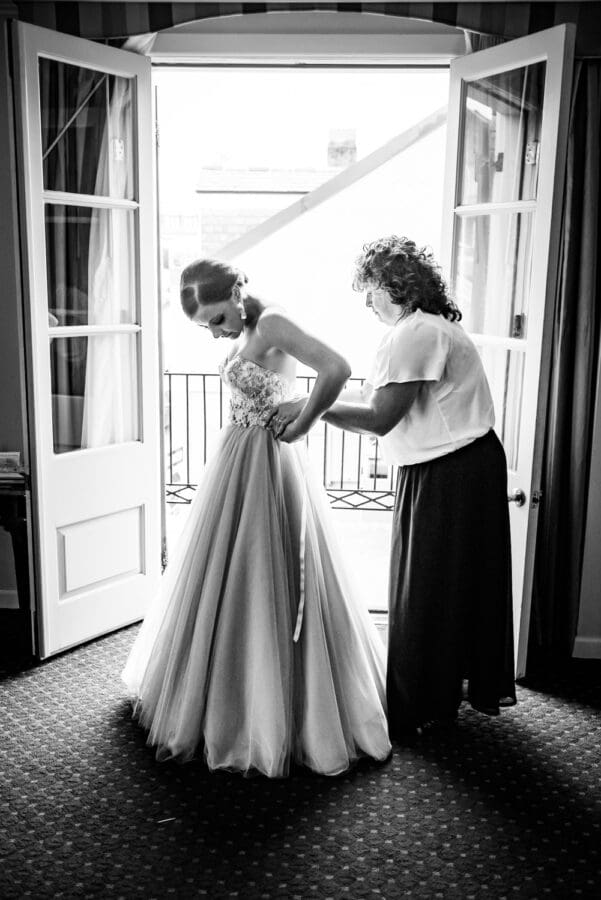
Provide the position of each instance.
(196, 408)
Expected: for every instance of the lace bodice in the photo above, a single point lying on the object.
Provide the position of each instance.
(254, 390)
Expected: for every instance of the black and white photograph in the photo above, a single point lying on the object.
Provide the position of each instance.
(300, 450)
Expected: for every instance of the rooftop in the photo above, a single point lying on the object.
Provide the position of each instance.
(262, 180)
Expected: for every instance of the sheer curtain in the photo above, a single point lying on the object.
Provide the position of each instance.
(110, 397)
(69, 99)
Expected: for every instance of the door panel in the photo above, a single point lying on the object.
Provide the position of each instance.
(507, 133)
(92, 316)
(94, 391)
(87, 141)
(120, 534)
(492, 289)
(501, 135)
(96, 285)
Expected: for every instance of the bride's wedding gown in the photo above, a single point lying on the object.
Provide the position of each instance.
(256, 654)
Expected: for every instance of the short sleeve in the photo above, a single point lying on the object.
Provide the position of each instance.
(414, 351)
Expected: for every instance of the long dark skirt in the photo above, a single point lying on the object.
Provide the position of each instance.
(450, 587)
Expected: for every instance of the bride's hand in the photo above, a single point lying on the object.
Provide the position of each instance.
(281, 416)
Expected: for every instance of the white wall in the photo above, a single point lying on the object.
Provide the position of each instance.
(324, 22)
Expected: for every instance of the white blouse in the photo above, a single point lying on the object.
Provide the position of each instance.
(454, 405)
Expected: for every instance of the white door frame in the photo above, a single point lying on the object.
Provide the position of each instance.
(189, 48)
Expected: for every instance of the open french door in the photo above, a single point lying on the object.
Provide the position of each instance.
(89, 236)
(506, 144)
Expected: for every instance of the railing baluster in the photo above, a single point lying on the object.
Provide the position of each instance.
(308, 377)
(353, 497)
(170, 431)
(187, 428)
(204, 418)
(377, 446)
(220, 404)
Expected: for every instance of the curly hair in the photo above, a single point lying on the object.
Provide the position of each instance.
(409, 274)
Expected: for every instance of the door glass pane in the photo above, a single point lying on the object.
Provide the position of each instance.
(500, 144)
(89, 254)
(492, 272)
(94, 391)
(505, 372)
(87, 130)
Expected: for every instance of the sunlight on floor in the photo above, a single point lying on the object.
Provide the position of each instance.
(365, 541)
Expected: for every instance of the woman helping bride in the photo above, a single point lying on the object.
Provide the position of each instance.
(256, 655)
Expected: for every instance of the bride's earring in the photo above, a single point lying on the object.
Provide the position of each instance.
(238, 294)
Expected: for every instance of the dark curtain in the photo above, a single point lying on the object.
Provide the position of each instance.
(576, 337)
(477, 41)
(107, 20)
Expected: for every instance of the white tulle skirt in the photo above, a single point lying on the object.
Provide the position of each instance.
(215, 670)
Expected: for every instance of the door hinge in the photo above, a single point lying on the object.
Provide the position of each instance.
(532, 148)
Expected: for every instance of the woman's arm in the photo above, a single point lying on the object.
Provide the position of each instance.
(277, 330)
(385, 408)
(281, 416)
(359, 394)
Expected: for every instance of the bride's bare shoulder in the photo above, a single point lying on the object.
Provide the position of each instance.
(273, 319)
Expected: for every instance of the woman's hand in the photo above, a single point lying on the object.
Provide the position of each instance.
(281, 416)
(292, 433)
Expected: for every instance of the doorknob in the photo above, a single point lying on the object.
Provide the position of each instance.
(518, 497)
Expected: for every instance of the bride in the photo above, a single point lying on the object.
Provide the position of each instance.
(256, 654)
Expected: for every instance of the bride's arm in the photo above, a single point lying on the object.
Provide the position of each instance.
(277, 330)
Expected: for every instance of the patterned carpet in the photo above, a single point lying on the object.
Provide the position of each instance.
(492, 808)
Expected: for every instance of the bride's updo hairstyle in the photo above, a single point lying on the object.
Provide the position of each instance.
(409, 274)
(207, 281)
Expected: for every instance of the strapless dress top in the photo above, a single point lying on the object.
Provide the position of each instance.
(255, 390)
